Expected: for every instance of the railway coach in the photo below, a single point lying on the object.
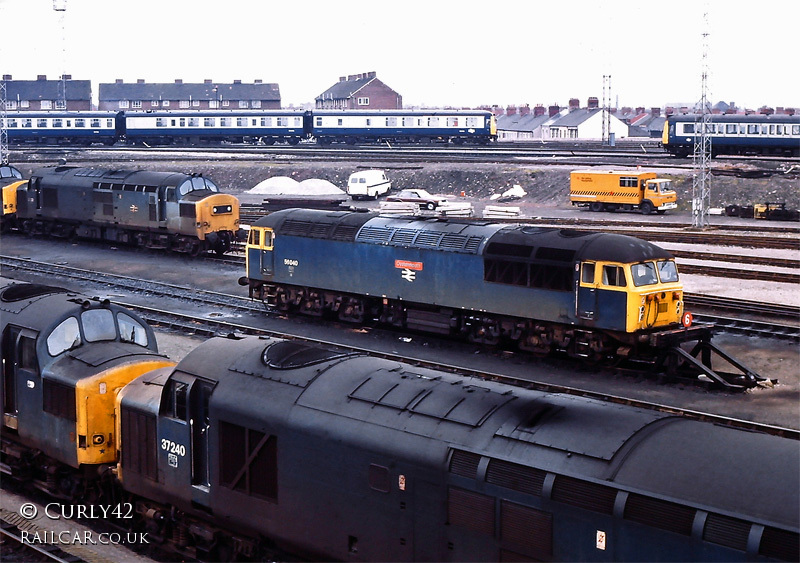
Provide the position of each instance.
(734, 134)
(403, 126)
(165, 210)
(74, 128)
(599, 297)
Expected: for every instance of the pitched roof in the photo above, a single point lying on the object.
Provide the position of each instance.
(517, 122)
(575, 117)
(47, 89)
(180, 91)
(345, 89)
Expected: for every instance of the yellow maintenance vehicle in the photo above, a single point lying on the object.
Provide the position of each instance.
(609, 190)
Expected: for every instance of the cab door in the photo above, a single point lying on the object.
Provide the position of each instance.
(260, 255)
(586, 296)
(19, 367)
(183, 436)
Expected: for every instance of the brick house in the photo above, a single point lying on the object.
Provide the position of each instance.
(44, 95)
(359, 91)
(143, 96)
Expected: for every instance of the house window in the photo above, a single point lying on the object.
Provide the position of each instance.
(363, 101)
(123, 104)
(183, 104)
(165, 103)
(61, 104)
(242, 104)
(47, 104)
(11, 104)
(255, 104)
(154, 104)
(226, 103)
(24, 103)
(136, 104)
(213, 104)
(195, 103)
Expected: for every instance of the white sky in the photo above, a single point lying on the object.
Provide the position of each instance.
(434, 52)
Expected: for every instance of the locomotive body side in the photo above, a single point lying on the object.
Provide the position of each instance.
(330, 455)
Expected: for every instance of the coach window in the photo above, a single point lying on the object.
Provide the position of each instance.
(730, 129)
(80, 123)
(752, 129)
(688, 127)
(27, 123)
(614, 276)
(65, 336)
(98, 324)
(42, 123)
(795, 129)
(194, 122)
(209, 122)
(587, 272)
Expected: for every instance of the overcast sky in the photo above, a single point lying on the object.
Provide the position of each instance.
(433, 52)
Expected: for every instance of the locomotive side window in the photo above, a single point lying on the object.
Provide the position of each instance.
(176, 399)
(130, 330)
(667, 271)
(587, 272)
(614, 276)
(98, 324)
(65, 336)
(255, 237)
(644, 274)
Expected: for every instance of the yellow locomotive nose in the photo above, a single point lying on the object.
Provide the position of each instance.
(217, 213)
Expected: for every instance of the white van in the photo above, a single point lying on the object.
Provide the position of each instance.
(368, 184)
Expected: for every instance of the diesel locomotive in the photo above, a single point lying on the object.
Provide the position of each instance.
(734, 134)
(599, 297)
(193, 127)
(163, 210)
(10, 180)
(251, 445)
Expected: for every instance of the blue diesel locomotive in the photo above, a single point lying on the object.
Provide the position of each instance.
(595, 296)
(735, 134)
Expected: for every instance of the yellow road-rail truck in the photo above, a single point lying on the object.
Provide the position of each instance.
(609, 190)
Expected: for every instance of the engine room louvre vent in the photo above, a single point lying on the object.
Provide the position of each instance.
(309, 229)
(403, 237)
(584, 494)
(470, 510)
(426, 238)
(779, 544)
(516, 477)
(464, 464)
(660, 514)
(345, 233)
(727, 531)
(376, 235)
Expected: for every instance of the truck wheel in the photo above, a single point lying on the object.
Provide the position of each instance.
(596, 206)
(646, 207)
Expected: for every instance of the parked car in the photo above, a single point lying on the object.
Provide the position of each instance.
(421, 197)
(368, 184)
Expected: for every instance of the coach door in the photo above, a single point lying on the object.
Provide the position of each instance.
(19, 365)
(586, 296)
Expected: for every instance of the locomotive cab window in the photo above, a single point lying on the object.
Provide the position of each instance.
(614, 276)
(175, 399)
(131, 330)
(65, 336)
(667, 271)
(644, 273)
(98, 324)
(587, 272)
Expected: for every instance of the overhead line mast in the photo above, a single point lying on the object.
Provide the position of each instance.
(701, 158)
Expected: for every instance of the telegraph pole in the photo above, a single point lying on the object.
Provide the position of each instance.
(701, 158)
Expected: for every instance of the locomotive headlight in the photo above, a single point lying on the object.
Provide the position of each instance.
(220, 209)
(678, 308)
(641, 313)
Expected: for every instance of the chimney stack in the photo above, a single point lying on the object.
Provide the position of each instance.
(553, 110)
(538, 110)
(41, 77)
(140, 81)
(574, 103)
(511, 110)
(593, 103)
(655, 112)
(179, 81)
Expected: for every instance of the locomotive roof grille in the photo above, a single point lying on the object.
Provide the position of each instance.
(420, 238)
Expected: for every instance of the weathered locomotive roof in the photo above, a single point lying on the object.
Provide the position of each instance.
(454, 235)
(139, 177)
(568, 245)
